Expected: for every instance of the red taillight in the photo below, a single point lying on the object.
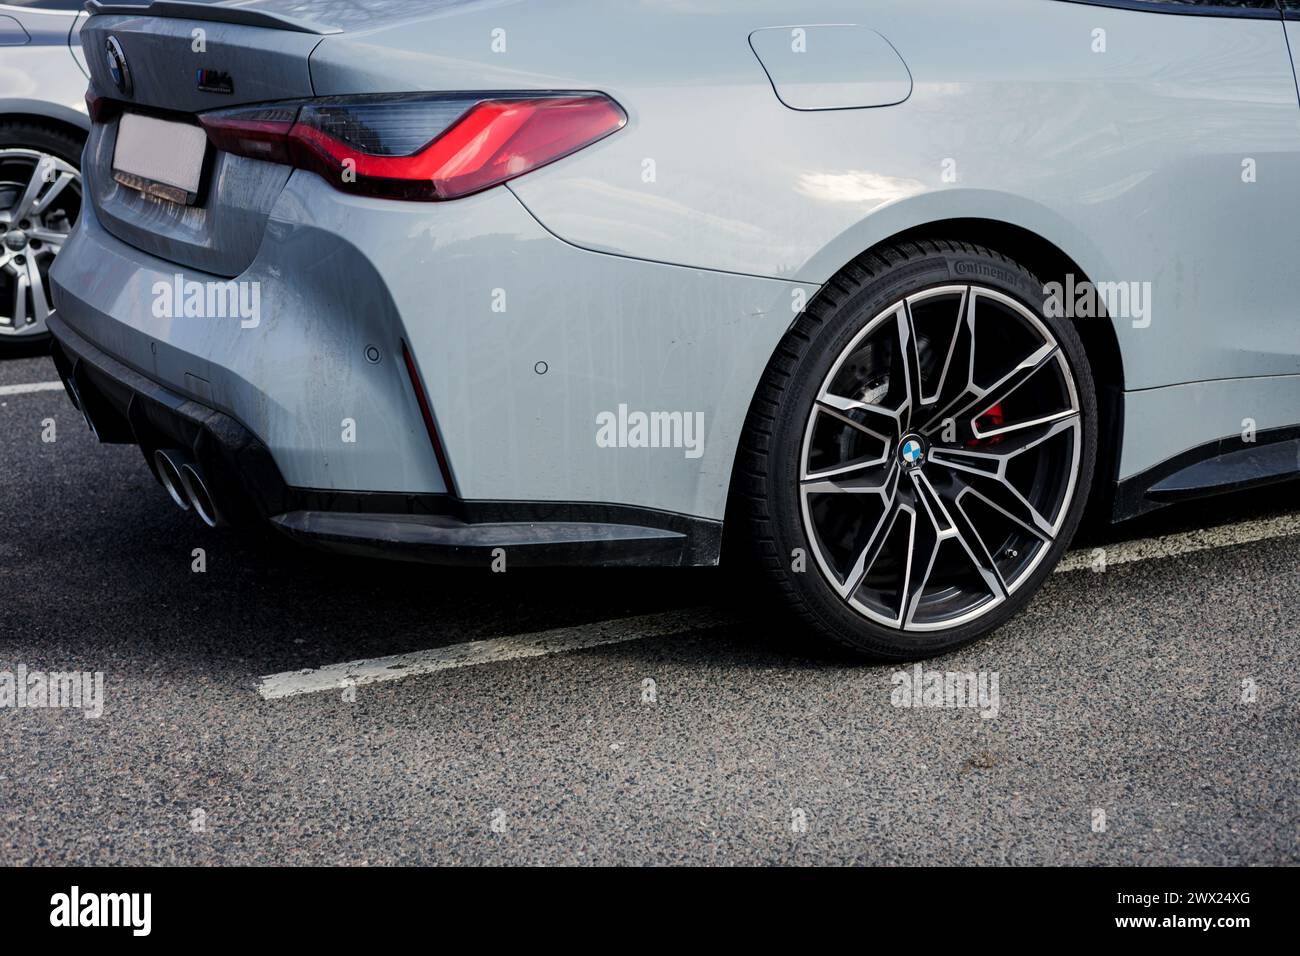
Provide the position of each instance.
(435, 147)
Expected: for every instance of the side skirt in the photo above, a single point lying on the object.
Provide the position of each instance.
(1217, 467)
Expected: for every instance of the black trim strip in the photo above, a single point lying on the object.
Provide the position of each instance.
(1262, 12)
(1217, 467)
(704, 535)
(240, 16)
(436, 539)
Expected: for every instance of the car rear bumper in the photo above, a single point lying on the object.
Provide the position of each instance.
(123, 406)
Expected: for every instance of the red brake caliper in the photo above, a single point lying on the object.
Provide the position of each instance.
(987, 422)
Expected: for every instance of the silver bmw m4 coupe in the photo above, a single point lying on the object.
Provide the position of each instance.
(879, 294)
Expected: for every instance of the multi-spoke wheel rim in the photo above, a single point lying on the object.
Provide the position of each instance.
(940, 458)
(40, 198)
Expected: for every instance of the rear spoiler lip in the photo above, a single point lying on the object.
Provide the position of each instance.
(182, 10)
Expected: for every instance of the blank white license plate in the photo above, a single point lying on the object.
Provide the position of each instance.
(159, 158)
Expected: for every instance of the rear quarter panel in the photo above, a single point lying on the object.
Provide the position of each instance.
(1129, 159)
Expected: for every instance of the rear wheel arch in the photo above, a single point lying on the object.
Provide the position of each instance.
(51, 123)
(1049, 263)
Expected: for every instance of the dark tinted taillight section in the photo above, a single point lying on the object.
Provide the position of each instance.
(397, 125)
(100, 108)
(419, 146)
(261, 132)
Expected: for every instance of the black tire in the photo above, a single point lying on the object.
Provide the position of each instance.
(772, 446)
(67, 146)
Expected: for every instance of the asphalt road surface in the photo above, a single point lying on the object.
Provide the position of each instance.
(1145, 714)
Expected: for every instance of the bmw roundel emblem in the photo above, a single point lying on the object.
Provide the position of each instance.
(117, 68)
(912, 451)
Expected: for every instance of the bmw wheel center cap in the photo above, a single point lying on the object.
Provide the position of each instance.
(911, 451)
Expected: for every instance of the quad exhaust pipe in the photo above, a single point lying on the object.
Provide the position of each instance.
(183, 479)
(169, 464)
(200, 498)
(176, 469)
(74, 393)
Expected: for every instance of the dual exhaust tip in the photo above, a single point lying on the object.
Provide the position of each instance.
(74, 393)
(184, 482)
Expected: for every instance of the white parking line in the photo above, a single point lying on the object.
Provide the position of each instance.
(33, 387)
(536, 644)
(601, 633)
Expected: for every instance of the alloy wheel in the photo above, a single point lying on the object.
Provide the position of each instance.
(940, 458)
(40, 199)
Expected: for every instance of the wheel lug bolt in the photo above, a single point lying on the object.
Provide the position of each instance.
(20, 260)
(24, 224)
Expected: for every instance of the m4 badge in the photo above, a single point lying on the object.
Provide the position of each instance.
(214, 81)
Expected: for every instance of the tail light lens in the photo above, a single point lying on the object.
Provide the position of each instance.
(95, 106)
(262, 132)
(417, 146)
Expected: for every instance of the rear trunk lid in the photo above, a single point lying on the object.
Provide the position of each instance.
(254, 57)
(187, 58)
